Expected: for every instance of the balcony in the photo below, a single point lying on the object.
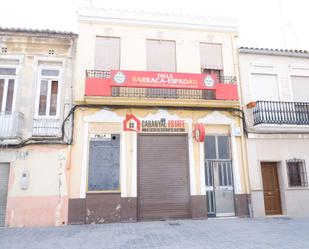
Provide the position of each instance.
(46, 128)
(11, 125)
(159, 85)
(281, 113)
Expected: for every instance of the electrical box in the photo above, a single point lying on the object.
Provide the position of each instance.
(24, 180)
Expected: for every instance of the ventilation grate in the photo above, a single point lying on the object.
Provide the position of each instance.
(51, 51)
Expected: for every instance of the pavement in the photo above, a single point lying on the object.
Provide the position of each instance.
(233, 233)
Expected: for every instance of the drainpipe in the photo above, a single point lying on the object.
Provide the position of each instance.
(243, 141)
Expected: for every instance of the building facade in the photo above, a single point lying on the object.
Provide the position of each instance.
(275, 87)
(157, 127)
(36, 70)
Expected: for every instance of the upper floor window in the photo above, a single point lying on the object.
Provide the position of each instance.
(7, 88)
(48, 97)
(264, 87)
(107, 53)
(161, 56)
(211, 59)
(297, 174)
(300, 88)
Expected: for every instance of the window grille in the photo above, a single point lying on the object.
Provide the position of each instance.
(297, 175)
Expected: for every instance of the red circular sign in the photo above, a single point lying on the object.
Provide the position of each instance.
(199, 132)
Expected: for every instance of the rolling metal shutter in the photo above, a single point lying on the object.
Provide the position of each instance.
(4, 180)
(163, 177)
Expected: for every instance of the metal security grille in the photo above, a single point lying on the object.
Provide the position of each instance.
(219, 182)
(163, 177)
(163, 93)
(4, 180)
(297, 174)
(219, 176)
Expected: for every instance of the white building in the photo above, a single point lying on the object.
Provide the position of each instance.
(275, 95)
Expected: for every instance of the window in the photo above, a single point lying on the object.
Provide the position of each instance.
(104, 164)
(211, 59)
(217, 147)
(264, 87)
(107, 53)
(161, 56)
(297, 174)
(300, 88)
(7, 88)
(48, 99)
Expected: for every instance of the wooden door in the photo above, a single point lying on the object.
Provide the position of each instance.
(271, 188)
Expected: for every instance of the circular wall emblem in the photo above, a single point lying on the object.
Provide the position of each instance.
(199, 132)
(119, 77)
(208, 81)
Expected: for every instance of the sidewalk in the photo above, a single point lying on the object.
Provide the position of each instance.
(271, 233)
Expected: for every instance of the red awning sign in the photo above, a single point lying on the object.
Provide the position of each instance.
(162, 80)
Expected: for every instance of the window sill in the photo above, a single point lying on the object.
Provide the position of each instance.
(103, 192)
(296, 188)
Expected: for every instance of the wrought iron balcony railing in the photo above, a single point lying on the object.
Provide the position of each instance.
(107, 75)
(99, 74)
(46, 128)
(11, 125)
(277, 112)
(162, 93)
(227, 80)
(118, 83)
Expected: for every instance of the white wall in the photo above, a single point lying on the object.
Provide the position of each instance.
(295, 200)
(282, 66)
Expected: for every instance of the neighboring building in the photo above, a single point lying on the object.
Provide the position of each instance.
(148, 87)
(35, 96)
(275, 94)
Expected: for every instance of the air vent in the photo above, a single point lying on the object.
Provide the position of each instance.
(4, 50)
(51, 51)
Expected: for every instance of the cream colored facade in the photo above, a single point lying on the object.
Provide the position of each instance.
(275, 142)
(133, 30)
(110, 112)
(38, 173)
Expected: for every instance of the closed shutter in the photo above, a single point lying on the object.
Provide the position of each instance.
(104, 164)
(211, 56)
(4, 180)
(163, 177)
(300, 88)
(264, 87)
(107, 53)
(161, 56)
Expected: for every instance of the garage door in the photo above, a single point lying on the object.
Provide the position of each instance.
(163, 177)
(4, 180)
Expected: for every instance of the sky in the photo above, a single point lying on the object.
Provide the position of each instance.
(262, 23)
